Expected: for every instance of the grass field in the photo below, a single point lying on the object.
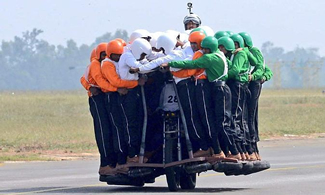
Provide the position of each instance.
(293, 112)
(37, 123)
(59, 122)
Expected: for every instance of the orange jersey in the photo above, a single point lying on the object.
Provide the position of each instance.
(109, 73)
(95, 78)
(184, 73)
(199, 74)
(83, 80)
(85, 84)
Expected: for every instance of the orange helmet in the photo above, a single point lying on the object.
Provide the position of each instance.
(196, 37)
(121, 40)
(93, 54)
(114, 47)
(100, 48)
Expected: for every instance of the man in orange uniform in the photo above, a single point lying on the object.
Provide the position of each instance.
(94, 78)
(90, 89)
(84, 82)
(114, 51)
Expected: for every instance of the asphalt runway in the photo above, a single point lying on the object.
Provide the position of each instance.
(297, 167)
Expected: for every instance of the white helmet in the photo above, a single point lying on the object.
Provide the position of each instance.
(154, 38)
(208, 30)
(140, 46)
(192, 17)
(137, 34)
(172, 33)
(166, 42)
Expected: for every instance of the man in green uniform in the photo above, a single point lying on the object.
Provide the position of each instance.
(227, 47)
(216, 67)
(238, 83)
(258, 75)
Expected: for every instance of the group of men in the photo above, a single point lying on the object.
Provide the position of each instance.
(219, 78)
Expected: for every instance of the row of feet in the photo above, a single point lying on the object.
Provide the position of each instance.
(123, 169)
(120, 169)
(240, 156)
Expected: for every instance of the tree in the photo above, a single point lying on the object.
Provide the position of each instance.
(119, 33)
(30, 63)
(294, 69)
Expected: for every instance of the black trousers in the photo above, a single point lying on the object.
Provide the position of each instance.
(132, 117)
(255, 88)
(205, 106)
(126, 117)
(222, 108)
(237, 101)
(103, 131)
(248, 138)
(115, 116)
(186, 93)
(239, 93)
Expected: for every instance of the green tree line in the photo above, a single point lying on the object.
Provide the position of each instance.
(30, 63)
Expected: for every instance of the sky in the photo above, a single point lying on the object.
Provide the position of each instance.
(286, 23)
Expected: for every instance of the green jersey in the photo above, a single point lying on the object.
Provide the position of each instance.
(267, 75)
(239, 69)
(251, 58)
(215, 65)
(258, 71)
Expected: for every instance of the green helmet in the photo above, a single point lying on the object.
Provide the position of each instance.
(211, 43)
(227, 42)
(230, 32)
(247, 39)
(220, 34)
(239, 39)
(199, 29)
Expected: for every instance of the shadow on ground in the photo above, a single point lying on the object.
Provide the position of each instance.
(116, 189)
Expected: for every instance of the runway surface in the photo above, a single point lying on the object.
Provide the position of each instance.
(297, 167)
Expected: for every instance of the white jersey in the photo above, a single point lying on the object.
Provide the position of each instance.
(175, 55)
(154, 55)
(188, 52)
(127, 61)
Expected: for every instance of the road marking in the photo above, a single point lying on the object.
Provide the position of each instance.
(56, 189)
(162, 179)
(290, 168)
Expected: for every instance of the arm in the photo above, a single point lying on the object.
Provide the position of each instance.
(251, 58)
(155, 63)
(237, 63)
(259, 68)
(268, 74)
(109, 72)
(132, 62)
(95, 72)
(155, 55)
(203, 62)
(84, 83)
